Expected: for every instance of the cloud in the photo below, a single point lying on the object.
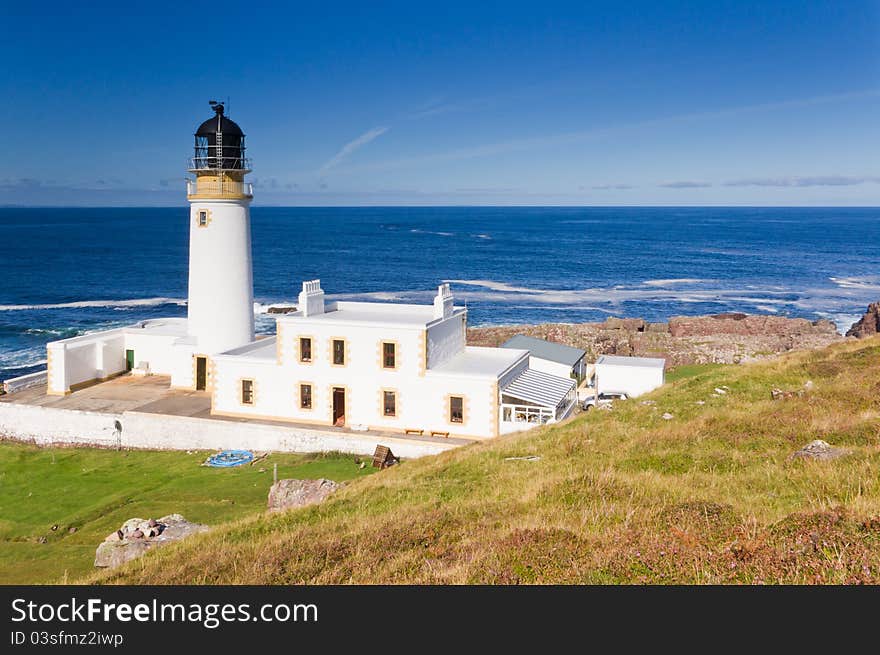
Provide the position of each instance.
(820, 180)
(686, 184)
(609, 187)
(349, 148)
(567, 138)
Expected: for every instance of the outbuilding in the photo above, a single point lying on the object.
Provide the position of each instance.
(549, 357)
(632, 376)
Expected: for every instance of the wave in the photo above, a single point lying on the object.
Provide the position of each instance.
(675, 281)
(135, 302)
(439, 234)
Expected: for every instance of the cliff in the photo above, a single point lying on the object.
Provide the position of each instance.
(721, 338)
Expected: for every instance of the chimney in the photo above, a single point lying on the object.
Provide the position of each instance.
(443, 302)
(311, 298)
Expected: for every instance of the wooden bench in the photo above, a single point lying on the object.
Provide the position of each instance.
(414, 431)
(438, 433)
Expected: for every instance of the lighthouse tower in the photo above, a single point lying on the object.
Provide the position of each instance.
(220, 311)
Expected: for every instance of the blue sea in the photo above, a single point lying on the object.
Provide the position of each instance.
(70, 271)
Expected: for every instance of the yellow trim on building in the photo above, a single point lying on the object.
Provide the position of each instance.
(464, 408)
(396, 345)
(299, 386)
(382, 414)
(346, 352)
(312, 340)
(241, 401)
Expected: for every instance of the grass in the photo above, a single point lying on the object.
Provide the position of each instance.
(710, 496)
(689, 370)
(95, 490)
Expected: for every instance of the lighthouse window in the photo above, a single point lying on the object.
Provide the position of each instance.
(305, 349)
(305, 396)
(247, 392)
(389, 403)
(389, 355)
(456, 409)
(203, 218)
(339, 352)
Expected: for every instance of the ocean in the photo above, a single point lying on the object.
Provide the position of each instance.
(71, 271)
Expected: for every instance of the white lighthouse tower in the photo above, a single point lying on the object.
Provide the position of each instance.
(220, 313)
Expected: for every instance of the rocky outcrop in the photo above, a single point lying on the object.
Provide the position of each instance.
(747, 325)
(723, 338)
(289, 494)
(819, 450)
(137, 536)
(868, 325)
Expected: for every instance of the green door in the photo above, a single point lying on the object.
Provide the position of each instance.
(129, 360)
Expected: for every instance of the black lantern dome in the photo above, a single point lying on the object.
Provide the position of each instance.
(219, 143)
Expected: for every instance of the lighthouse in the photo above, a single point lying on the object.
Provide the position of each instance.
(220, 313)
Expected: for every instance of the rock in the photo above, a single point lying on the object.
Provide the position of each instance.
(632, 324)
(667, 416)
(648, 402)
(281, 309)
(288, 494)
(71, 530)
(779, 394)
(152, 523)
(868, 325)
(720, 391)
(122, 545)
(820, 450)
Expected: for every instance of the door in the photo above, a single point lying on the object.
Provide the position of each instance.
(201, 373)
(129, 360)
(338, 406)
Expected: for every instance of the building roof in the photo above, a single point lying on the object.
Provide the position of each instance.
(219, 123)
(638, 362)
(542, 349)
(539, 388)
(371, 313)
(260, 349)
(479, 362)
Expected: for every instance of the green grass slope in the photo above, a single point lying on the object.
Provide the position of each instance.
(710, 496)
(94, 491)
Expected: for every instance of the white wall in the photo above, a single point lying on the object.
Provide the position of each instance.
(25, 381)
(421, 398)
(221, 303)
(546, 366)
(155, 349)
(446, 339)
(631, 380)
(85, 358)
(48, 425)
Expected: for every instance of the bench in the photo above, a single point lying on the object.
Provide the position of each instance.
(414, 431)
(438, 433)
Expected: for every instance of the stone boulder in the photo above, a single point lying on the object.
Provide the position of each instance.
(289, 494)
(137, 536)
(868, 325)
(820, 450)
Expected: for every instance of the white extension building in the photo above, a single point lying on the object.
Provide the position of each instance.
(632, 376)
(380, 366)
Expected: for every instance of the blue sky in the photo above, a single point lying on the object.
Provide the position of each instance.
(586, 103)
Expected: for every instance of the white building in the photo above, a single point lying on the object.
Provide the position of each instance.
(382, 366)
(632, 376)
(554, 358)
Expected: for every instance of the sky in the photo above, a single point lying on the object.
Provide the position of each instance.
(475, 103)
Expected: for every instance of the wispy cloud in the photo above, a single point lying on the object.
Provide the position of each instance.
(349, 148)
(612, 187)
(820, 180)
(686, 184)
(567, 138)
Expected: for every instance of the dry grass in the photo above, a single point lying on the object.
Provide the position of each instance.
(710, 496)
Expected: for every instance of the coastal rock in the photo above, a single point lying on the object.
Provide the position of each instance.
(289, 494)
(281, 309)
(820, 450)
(729, 338)
(868, 325)
(125, 544)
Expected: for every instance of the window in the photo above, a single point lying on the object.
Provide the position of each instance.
(389, 403)
(305, 349)
(339, 352)
(203, 218)
(305, 396)
(456, 409)
(247, 392)
(389, 355)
